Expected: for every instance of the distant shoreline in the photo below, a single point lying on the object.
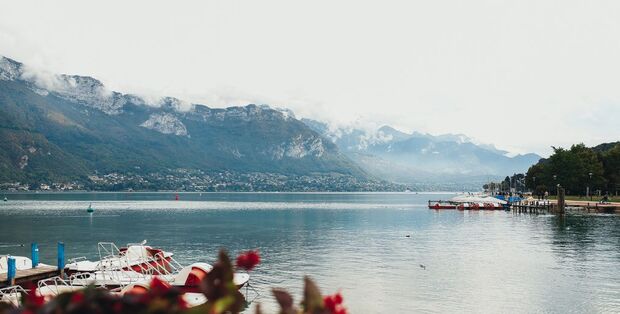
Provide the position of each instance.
(2, 192)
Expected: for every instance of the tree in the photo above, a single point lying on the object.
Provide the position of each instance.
(540, 191)
(569, 168)
(611, 165)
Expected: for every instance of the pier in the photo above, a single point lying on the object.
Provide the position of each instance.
(561, 206)
(532, 206)
(536, 207)
(26, 276)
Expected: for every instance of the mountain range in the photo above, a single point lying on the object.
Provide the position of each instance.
(68, 127)
(417, 157)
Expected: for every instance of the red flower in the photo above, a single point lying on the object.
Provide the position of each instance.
(248, 260)
(333, 303)
(118, 307)
(329, 303)
(338, 298)
(77, 297)
(182, 304)
(34, 300)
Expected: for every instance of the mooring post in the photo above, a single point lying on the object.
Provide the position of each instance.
(561, 200)
(61, 258)
(34, 254)
(12, 270)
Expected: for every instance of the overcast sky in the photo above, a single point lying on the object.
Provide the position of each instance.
(523, 75)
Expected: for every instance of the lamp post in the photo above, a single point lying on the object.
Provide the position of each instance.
(555, 178)
(588, 189)
(534, 183)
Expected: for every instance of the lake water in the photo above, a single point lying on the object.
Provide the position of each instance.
(475, 261)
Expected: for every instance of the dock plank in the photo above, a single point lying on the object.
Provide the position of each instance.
(30, 275)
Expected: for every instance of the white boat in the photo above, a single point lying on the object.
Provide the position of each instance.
(52, 287)
(139, 263)
(12, 295)
(191, 298)
(21, 263)
(468, 201)
(188, 279)
(137, 257)
(477, 202)
(477, 199)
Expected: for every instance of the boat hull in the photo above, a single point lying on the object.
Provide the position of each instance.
(139, 267)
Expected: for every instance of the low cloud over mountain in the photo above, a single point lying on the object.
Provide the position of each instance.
(66, 126)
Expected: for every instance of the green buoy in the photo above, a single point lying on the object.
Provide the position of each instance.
(90, 209)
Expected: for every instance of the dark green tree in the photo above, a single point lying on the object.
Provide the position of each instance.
(611, 165)
(575, 169)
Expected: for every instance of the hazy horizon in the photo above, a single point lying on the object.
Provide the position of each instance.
(522, 76)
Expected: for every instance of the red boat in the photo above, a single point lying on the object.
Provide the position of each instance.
(441, 205)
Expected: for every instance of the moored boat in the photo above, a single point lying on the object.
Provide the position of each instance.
(441, 205)
(12, 295)
(21, 263)
(469, 202)
(188, 279)
(52, 287)
(136, 257)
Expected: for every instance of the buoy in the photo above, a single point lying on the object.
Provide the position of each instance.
(176, 197)
(90, 209)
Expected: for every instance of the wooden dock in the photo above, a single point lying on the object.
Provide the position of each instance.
(532, 207)
(543, 207)
(32, 275)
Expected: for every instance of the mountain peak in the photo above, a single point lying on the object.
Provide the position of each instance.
(394, 133)
(10, 69)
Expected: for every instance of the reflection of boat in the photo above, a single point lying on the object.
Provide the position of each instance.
(90, 209)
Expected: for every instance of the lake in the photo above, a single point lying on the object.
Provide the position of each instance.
(474, 261)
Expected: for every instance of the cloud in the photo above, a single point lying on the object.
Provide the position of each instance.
(45, 80)
(523, 75)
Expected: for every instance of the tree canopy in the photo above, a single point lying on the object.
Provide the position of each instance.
(578, 168)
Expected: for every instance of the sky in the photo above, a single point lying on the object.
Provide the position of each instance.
(523, 75)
